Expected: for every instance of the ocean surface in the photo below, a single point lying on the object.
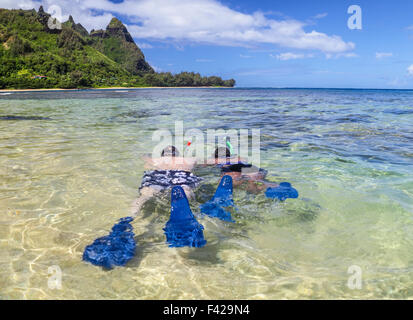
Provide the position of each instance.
(71, 165)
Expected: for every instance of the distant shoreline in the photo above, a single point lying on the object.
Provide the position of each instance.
(109, 88)
(205, 87)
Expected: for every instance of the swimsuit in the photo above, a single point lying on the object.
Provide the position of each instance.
(163, 179)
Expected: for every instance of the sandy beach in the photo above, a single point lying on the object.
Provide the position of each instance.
(109, 88)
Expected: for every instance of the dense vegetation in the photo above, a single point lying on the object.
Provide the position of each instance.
(70, 57)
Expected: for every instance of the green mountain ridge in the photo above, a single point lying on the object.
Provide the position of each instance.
(37, 51)
(117, 44)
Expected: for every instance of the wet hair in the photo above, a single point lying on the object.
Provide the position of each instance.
(170, 151)
(236, 167)
(220, 151)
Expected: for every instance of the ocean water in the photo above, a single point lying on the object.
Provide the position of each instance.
(71, 164)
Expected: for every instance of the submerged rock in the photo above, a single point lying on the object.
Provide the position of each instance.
(11, 117)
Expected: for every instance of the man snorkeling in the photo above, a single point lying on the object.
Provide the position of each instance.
(166, 172)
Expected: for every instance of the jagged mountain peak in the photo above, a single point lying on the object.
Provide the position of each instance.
(116, 28)
(76, 26)
(115, 23)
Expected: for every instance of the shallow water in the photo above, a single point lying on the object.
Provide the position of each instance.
(71, 163)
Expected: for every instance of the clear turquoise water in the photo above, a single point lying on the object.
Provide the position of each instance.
(66, 177)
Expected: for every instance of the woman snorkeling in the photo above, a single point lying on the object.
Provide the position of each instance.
(242, 173)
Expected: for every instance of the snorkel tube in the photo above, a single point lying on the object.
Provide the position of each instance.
(231, 149)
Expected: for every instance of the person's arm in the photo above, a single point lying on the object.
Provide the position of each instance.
(256, 186)
(146, 193)
(148, 162)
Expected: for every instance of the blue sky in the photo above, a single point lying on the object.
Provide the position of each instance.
(295, 43)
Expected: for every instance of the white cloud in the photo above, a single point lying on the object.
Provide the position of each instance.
(321, 15)
(381, 55)
(88, 17)
(341, 55)
(244, 56)
(204, 60)
(347, 55)
(157, 69)
(291, 56)
(144, 45)
(410, 70)
(197, 21)
(21, 4)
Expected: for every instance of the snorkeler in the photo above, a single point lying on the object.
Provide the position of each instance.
(242, 173)
(168, 171)
(250, 176)
(182, 229)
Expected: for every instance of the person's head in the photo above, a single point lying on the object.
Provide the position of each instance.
(222, 153)
(170, 151)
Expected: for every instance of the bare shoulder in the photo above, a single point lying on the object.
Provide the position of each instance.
(190, 160)
(148, 161)
(174, 163)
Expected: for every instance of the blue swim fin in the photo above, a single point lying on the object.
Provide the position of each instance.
(282, 192)
(221, 199)
(115, 249)
(183, 229)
